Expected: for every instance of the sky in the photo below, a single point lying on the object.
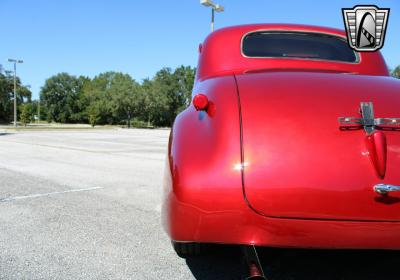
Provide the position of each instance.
(87, 37)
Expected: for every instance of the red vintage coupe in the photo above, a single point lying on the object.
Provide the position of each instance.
(291, 141)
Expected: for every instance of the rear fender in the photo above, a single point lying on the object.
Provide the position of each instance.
(203, 169)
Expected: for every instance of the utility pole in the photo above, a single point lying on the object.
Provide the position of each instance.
(15, 61)
(214, 8)
(39, 110)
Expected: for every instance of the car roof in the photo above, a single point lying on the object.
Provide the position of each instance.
(221, 54)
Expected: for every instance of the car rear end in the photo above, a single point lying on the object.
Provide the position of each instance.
(268, 162)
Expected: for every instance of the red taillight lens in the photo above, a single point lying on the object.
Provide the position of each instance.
(200, 102)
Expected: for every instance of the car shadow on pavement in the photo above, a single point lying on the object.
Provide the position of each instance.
(225, 262)
(222, 262)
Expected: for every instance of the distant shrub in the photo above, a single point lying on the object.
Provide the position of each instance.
(26, 114)
(139, 123)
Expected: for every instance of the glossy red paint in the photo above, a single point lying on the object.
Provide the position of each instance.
(221, 54)
(267, 164)
(377, 151)
(299, 163)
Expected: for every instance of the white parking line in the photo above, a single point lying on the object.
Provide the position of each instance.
(46, 194)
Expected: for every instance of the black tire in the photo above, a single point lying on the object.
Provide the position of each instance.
(188, 249)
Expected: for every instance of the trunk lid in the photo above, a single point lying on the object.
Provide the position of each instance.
(298, 163)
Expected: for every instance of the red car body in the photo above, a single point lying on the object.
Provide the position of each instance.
(267, 162)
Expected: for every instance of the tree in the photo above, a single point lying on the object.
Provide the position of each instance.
(26, 114)
(60, 95)
(167, 94)
(7, 95)
(97, 98)
(6, 89)
(93, 114)
(185, 76)
(147, 112)
(114, 97)
(37, 109)
(126, 97)
(396, 72)
(162, 98)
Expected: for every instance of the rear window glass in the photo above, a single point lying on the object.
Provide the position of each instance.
(297, 45)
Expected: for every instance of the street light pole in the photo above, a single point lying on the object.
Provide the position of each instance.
(15, 94)
(214, 8)
(39, 110)
(212, 19)
(15, 61)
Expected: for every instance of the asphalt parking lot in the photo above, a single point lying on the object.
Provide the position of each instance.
(85, 204)
(109, 228)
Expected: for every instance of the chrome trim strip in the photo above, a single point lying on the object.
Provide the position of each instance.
(384, 189)
(368, 120)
